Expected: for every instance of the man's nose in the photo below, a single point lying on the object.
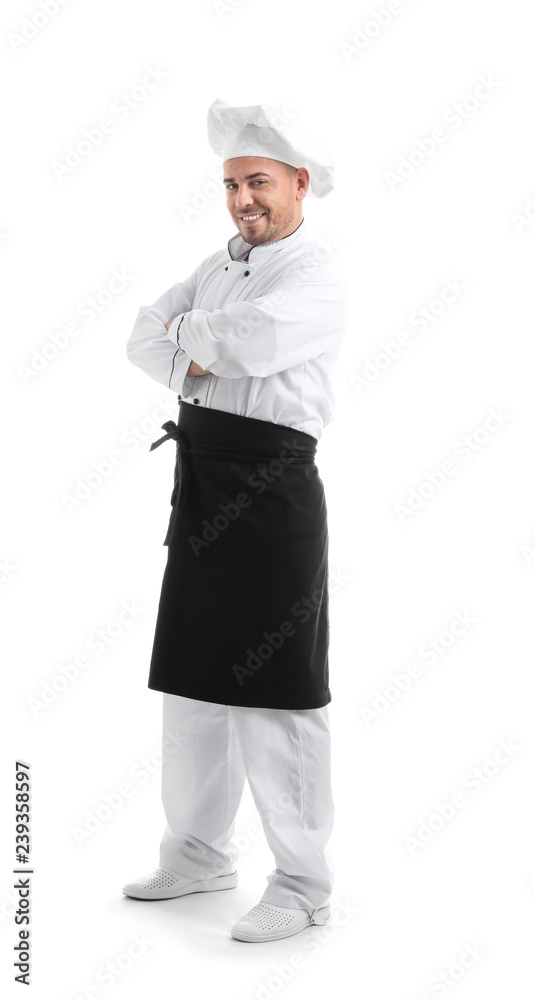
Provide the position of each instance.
(243, 199)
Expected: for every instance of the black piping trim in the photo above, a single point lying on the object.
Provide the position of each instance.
(251, 245)
(178, 331)
(172, 369)
(176, 352)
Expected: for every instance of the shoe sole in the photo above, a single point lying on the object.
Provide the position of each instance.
(203, 885)
(243, 936)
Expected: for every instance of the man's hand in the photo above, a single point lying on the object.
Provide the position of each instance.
(193, 369)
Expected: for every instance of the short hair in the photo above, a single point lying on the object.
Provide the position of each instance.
(291, 171)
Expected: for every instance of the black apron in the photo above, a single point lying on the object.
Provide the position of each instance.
(243, 611)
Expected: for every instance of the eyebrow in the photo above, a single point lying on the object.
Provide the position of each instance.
(259, 173)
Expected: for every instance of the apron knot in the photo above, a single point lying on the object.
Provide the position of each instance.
(181, 471)
(173, 431)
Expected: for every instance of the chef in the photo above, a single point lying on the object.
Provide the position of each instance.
(240, 652)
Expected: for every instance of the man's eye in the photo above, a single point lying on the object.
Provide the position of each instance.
(230, 186)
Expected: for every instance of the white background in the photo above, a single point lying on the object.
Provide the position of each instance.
(460, 215)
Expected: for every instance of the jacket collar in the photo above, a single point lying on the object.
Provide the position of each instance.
(238, 246)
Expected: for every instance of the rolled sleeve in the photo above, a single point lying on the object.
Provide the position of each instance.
(149, 346)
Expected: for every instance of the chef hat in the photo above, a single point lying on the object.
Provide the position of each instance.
(260, 130)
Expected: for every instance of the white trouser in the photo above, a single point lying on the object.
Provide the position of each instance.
(208, 751)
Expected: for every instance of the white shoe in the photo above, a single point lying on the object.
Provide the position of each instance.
(267, 922)
(166, 884)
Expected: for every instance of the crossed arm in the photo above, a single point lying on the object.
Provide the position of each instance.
(301, 316)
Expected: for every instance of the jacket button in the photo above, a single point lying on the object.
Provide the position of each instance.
(247, 273)
(226, 268)
(195, 400)
(179, 395)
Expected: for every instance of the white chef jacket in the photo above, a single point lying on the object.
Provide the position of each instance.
(268, 329)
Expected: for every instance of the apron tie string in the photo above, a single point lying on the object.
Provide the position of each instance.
(182, 474)
(181, 471)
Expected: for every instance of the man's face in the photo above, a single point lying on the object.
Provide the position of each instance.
(272, 193)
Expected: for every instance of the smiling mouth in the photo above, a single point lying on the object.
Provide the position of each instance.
(251, 219)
